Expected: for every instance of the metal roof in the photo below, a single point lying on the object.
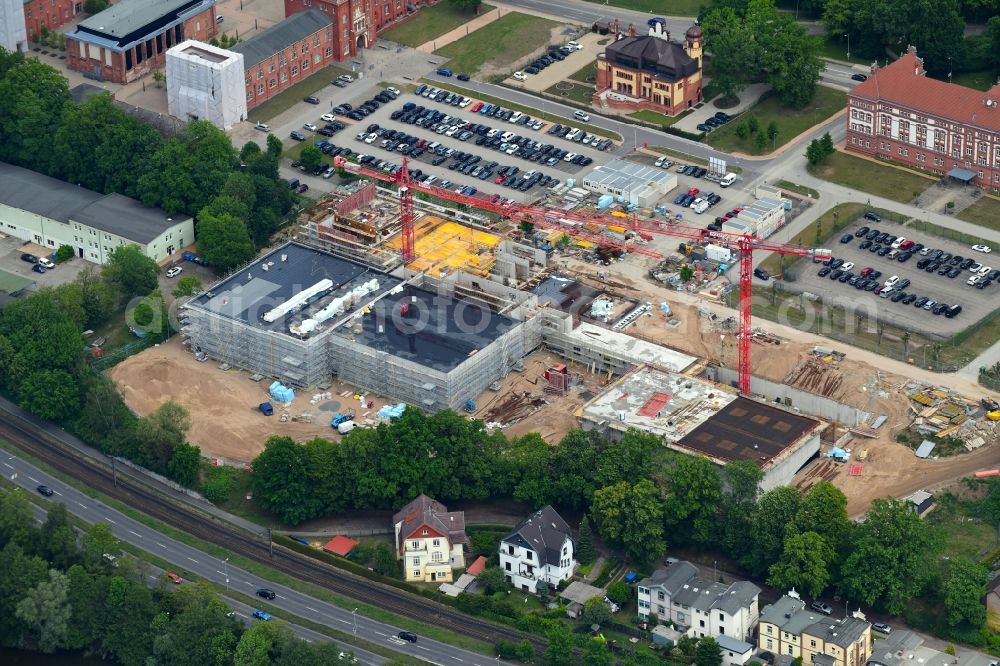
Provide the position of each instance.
(127, 16)
(281, 35)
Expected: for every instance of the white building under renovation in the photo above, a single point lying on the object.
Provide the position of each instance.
(205, 82)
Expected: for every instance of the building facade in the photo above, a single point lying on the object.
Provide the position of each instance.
(49, 14)
(356, 23)
(788, 628)
(652, 72)
(51, 213)
(205, 82)
(901, 114)
(131, 39)
(284, 54)
(539, 549)
(698, 606)
(430, 540)
(13, 35)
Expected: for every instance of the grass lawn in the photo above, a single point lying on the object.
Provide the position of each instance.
(967, 536)
(798, 189)
(505, 40)
(836, 49)
(534, 113)
(978, 80)
(658, 7)
(791, 122)
(656, 118)
(581, 93)
(867, 176)
(985, 213)
(586, 74)
(12, 282)
(432, 22)
(294, 95)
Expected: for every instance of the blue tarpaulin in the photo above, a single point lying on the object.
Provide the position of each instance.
(281, 393)
(392, 411)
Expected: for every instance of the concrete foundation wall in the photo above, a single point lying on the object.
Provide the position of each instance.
(782, 469)
(803, 401)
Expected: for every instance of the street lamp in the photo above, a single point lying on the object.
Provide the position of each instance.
(949, 69)
(848, 35)
(354, 614)
(225, 565)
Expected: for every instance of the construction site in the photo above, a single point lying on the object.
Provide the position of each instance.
(544, 328)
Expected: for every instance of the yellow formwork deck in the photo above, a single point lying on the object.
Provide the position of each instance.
(443, 247)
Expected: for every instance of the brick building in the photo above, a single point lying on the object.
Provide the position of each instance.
(358, 22)
(286, 53)
(901, 114)
(131, 38)
(651, 72)
(49, 13)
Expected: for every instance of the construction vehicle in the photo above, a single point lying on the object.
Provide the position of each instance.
(470, 406)
(266, 408)
(342, 418)
(608, 249)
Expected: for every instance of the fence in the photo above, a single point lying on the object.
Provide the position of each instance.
(128, 349)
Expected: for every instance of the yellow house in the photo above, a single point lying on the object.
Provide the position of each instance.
(430, 540)
(788, 628)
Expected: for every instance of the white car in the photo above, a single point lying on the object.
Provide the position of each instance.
(984, 271)
(985, 249)
(465, 102)
(371, 138)
(519, 76)
(262, 127)
(394, 91)
(569, 157)
(346, 78)
(310, 127)
(699, 206)
(329, 172)
(45, 263)
(896, 243)
(929, 305)
(972, 280)
(975, 268)
(576, 46)
(659, 161)
(848, 266)
(174, 272)
(328, 117)
(891, 281)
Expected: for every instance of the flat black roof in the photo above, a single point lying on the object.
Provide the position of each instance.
(565, 294)
(435, 331)
(249, 293)
(747, 430)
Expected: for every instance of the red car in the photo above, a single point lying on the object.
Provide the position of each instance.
(865, 272)
(174, 578)
(500, 180)
(475, 107)
(694, 191)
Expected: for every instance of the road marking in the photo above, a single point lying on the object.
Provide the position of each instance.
(111, 521)
(425, 649)
(57, 493)
(381, 634)
(219, 572)
(454, 657)
(82, 504)
(33, 479)
(160, 544)
(193, 560)
(136, 533)
(248, 583)
(9, 465)
(311, 609)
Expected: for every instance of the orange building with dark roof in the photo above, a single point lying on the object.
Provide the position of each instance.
(901, 114)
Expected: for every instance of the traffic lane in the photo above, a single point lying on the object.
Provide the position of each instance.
(588, 13)
(975, 303)
(191, 561)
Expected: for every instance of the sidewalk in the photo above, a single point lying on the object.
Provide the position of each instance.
(463, 30)
(748, 98)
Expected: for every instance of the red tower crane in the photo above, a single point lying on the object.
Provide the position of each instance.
(552, 218)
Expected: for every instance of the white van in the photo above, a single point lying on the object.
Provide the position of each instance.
(580, 115)
(728, 179)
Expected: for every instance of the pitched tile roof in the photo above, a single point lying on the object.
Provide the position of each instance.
(426, 511)
(905, 83)
(544, 532)
(340, 545)
(655, 54)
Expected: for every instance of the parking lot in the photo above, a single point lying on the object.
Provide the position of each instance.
(976, 303)
(514, 154)
(11, 250)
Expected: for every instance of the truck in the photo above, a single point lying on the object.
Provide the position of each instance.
(728, 179)
(346, 427)
(266, 408)
(339, 418)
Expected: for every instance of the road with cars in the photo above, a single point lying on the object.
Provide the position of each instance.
(193, 562)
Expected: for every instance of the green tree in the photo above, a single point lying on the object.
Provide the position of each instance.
(96, 541)
(492, 580)
(775, 510)
(743, 130)
(560, 648)
(892, 556)
(250, 152)
(57, 540)
(526, 227)
(131, 271)
(45, 612)
(732, 48)
(595, 611)
(94, 6)
(281, 482)
(814, 153)
(823, 510)
(311, 157)
(804, 564)
(17, 522)
(826, 144)
(105, 420)
(31, 97)
(64, 254)
(42, 335)
(693, 492)
(224, 241)
(759, 141)
(790, 58)
(753, 124)
(772, 131)
(597, 654)
(740, 490)
(158, 434)
(964, 586)
(98, 296)
(21, 573)
(185, 465)
(619, 592)
(631, 517)
(50, 394)
(585, 551)
(188, 285)
(385, 561)
(525, 651)
(708, 653)
(686, 273)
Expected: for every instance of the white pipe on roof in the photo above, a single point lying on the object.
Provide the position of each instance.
(297, 300)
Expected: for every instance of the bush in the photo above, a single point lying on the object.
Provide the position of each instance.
(485, 543)
(505, 649)
(525, 651)
(619, 593)
(218, 483)
(64, 253)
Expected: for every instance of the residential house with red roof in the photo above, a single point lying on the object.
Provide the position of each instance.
(430, 540)
(901, 114)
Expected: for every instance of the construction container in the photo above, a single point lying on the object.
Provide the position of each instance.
(718, 253)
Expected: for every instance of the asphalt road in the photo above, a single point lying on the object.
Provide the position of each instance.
(191, 561)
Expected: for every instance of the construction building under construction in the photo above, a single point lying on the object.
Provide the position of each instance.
(699, 417)
(305, 316)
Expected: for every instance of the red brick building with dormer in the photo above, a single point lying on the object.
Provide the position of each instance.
(358, 22)
(49, 14)
(901, 114)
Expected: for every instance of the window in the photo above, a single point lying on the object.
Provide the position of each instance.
(271, 83)
(659, 595)
(270, 68)
(305, 64)
(722, 617)
(436, 542)
(260, 89)
(284, 76)
(295, 70)
(812, 644)
(528, 555)
(424, 532)
(680, 617)
(770, 644)
(416, 573)
(437, 556)
(329, 52)
(416, 561)
(507, 566)
(701, 623)
(769, 629)
(414, 544)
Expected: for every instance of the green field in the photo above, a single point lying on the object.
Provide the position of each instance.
(585, 74)
(798, 189)
(835, 48)
(581, 93)
(872, 177)
(294, 95)
(12, 283)
(659, 7)
(977, 80)
(510, 37)
(790, 121)
(432, 22)
(985, 213)
(656, 118)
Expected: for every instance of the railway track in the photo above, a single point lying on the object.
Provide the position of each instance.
(47, 448)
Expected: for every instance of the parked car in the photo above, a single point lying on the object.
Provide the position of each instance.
(174, 578)
(462, 77)
(263, 127)
(859, 77)
(444, 71)
(821, 607)
(38, 268)
(982, 248)
(174, 272)
(873, 216)
(761, 274)
(311, 99)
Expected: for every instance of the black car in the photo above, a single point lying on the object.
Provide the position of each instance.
(954, 272)
(266, 593)
(873, 234)
(944, 269)
(836, 263)
(312, 99)
(898, 296)
(854, 280)
(863, 231)
(933, 266)
(462, 77)
(919, 303)
(858, 77)
(922, 264)
(298, 136)
(872, 286)
(950, 314)
(722, 115)
(909, 299)
(940, 308)
(846, 238)
(30, 258)
(865, 244)
(45, 490)
(873, 216)
(874, 275)
(884, 251)
(874, 247)
(761, 274)
(845, 277)
(903, 284)
(835, 275)
(407, 636)
(964, 265)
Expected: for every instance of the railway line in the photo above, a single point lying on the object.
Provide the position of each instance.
(47, 448)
